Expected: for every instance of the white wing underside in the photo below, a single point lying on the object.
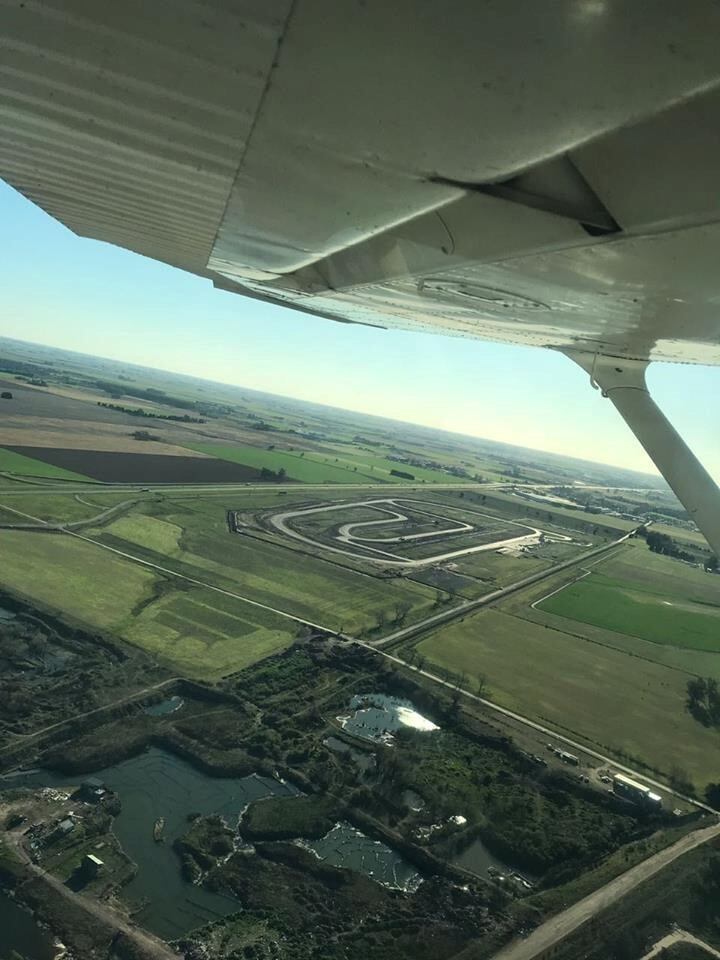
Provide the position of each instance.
(536, 173)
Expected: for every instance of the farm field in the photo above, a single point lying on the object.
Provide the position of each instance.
(91, 586)
(51, 508)
(324, 466)
(15, 461)
(624, 693)
(111, 466)
(196, 631)
(623, 704)
(611, 603)
(194, 534)
(309, 468)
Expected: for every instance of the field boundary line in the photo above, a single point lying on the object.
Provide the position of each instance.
(582, 576)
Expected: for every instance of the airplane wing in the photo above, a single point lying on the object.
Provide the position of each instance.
(534, 173)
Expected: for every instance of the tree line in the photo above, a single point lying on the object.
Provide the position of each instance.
(139, 412)
(703, 700)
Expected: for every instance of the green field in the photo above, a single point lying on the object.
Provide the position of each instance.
(208, 635)
(318, 467)
(607, 602)
(310, 468)
(199, 632)
(194, 536)
(577, 666)
(66, 574)
(53, 508)
(12, 462)
(623, 704)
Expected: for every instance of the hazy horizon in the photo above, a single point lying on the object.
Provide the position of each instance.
(82, 295)
(330, 407)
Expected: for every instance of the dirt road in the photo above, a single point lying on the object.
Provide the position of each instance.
(153, 947)
(680, 936)
(557, 928)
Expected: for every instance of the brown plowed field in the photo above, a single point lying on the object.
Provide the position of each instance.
(115, 467)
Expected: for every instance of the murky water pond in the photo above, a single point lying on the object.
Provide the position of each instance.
(345, 846)
(377, 716)
(366, 761)
(19, 931)
(157, 784)
(478, 859)
(164, 707)
(413, 801)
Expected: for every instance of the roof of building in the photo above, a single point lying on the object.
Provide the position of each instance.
(628, 782)
(92, 783)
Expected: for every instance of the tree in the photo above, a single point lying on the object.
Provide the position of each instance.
(281, 474)
(711, 564)
(712, 795)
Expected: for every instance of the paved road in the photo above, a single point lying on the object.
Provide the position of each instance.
(680, 936)
(279, 521)
(107, 917)
(557, 928)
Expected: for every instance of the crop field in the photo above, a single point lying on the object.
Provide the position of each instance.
(110, 466)
(37, 402)
(607, 602)
(15, 461)
(334, 466)
(194, 536)
(48, 507)
(91, 586)
(199, 632)
(584, 674)
(309, 468)
(624, 704)
(207, 635)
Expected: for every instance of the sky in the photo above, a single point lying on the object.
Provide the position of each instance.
(65, 291)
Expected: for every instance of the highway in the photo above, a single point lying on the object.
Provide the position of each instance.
(559, 927)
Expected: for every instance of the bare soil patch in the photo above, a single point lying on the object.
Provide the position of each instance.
(116, 467)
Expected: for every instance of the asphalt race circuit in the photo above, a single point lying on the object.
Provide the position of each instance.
(364, 534)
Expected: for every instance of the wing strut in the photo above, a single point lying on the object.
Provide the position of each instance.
(623, 381)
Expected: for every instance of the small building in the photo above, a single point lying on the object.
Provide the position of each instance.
(92, 789)
(63, 829)
(635, 792)
(92, 866)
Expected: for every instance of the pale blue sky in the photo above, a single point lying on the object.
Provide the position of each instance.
(64, 291)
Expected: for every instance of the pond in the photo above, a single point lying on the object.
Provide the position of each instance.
(20, 931)
(365, 761)
(478, 859)
(164, 707)
(157, 784)
(345, 846)
(378, 716)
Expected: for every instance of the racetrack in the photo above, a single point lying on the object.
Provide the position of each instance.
(392, 507)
